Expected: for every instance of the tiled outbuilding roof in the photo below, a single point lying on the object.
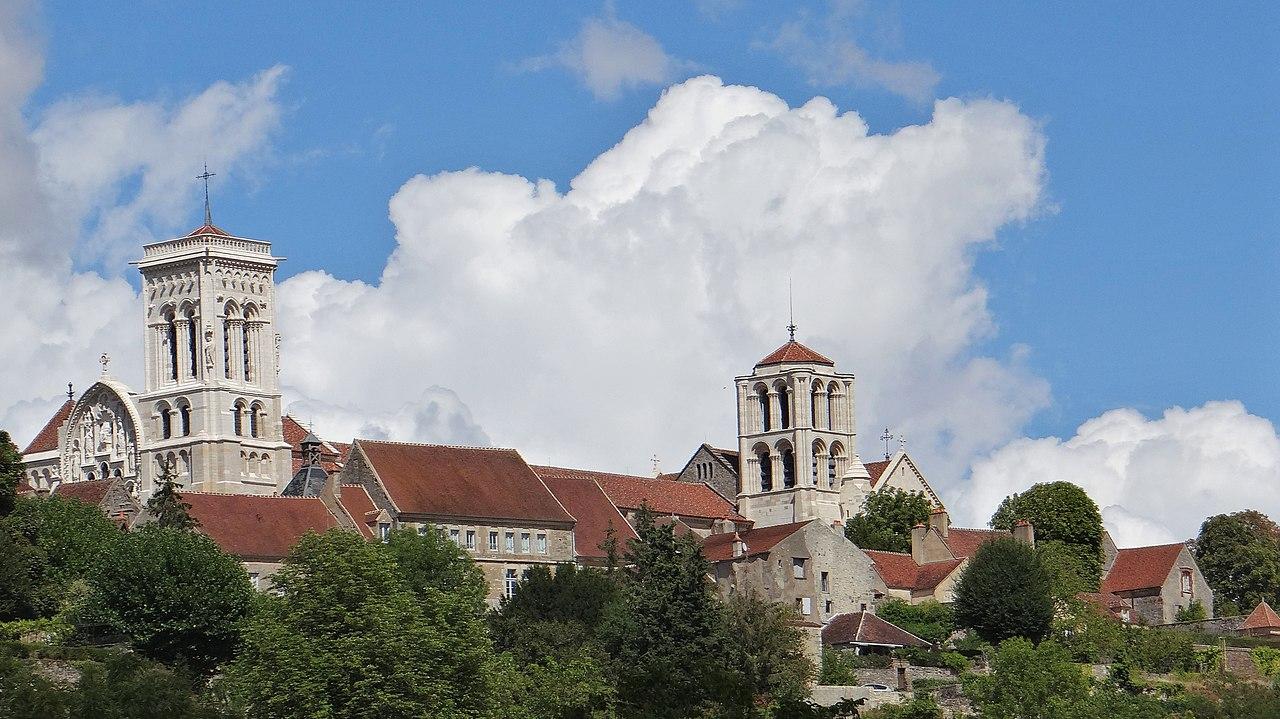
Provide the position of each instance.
(258, 527)
(719, 547)
(1140, 568)
(356, 502)
(90, 491)
(475, 482)
(663, 496)
(332, 454)
(965, 542)
(793, 351)
(594, 513)
(867, 628)
(1262, 617)
(47, 438)
(900, 571)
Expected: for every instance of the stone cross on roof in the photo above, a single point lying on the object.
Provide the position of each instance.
(104, 360)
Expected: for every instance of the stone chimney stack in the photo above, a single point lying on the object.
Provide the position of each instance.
(739, 546)
(917, 543)
(1024, 532)
(940, 520)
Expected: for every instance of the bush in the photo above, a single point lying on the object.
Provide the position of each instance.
(839, 668)
(1267, 660)
(929, 620)
(917, 708)
(1193, 612)
(1158, 651)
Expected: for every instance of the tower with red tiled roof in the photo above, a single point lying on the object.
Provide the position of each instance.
(796, 433)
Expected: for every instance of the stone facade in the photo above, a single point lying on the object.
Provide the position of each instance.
(1159, 581)
(717, 468)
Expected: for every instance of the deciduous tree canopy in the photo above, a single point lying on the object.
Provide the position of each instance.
(886, 520)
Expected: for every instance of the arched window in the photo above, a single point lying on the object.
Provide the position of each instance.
(246, 346)
(762, 396)
(833, 407)
(184, 419)
(264, 468)
(833, 462)
(788, 466)
(766, 469)
(231, 311)
(784, 404)
(237, 418)
(185, 465)
(254, 412)
(166, 421)
(192, 331)
(819, 450)
(171, 335)
(814, 413)
(251, 465)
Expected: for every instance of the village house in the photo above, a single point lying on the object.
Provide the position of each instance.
(866, 633)
(1158, 580)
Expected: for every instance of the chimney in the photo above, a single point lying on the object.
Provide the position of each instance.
(940, 520)
(917, 543)
(739, 546)
(1024, 532)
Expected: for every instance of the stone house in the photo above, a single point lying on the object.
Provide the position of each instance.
(1158, 580)
(109, 495)
(488, 501)
(807, 565)
(939, 553)
(865, 633)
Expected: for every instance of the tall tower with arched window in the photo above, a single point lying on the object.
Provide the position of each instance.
(796, 433)
(211, 404)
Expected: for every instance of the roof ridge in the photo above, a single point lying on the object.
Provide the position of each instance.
(241, 494)
(430, 444)
(1153, 546)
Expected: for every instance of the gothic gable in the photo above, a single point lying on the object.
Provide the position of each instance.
(103, 435)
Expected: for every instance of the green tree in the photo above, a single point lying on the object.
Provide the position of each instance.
(25, 591)
(10, 473)
(175, 596)
(929, 620)
(665, 635)
(1193, 612)
(346, 637)
(553, 614)
(1087, 633)
(166, 506)
(1004, 593)
(1239, 554)
(556, 688)
(1070, 569)
(126, 686)
(1060, 512)
(1030, 682)
(766, 656)
(73, 535)
(886, 519)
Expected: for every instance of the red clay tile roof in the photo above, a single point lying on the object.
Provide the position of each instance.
(453, 481)
(664, 496)
(47, 438)
(793, 352)
(330, 461)
(357, 503)
(1107, 602)
(91, 491)
(965, 542)
(257, 526)
(719, 547)
(1141, 568)
(591, 507)
(867, 628)
(1262, 617)
(875, 469)
(208, 230)
(900, 571)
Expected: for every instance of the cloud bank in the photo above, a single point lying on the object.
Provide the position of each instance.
(1154, 479)
(602, 324)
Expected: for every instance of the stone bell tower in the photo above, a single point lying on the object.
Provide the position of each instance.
(796, 434)
(211, 404)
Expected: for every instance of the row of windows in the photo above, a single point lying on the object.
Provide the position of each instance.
(764, 457)
(466, 539)
(825, 408)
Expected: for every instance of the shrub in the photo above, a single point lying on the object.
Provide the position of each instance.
(929, 620)
(954, 661)
(1267, 660)
(1193, 612)
(917, 708)
(839, 668)
(1158, 651)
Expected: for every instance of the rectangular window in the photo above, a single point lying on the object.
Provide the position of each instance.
(542, 544)
(384, 531)
(825, 578)
(524, 542)
(806, 606)
(423, 529)
(827, 606)
(510, 541)
(797, 567)
(1188, 587)
(455, 536)
(471, 539)
(511, 580)
(493, 541)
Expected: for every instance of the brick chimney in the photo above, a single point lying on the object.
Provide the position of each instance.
(940, 520)
(1024, 532)
(917, 543)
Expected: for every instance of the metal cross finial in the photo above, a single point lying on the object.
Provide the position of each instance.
(887, 437)
(104, 360)
(902, 443)
(208, 214)
(71, 395)
(791, 306)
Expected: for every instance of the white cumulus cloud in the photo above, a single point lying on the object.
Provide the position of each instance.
(609, 56)
(1155, 480)
(603, 323)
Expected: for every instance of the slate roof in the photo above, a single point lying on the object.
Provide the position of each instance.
(591, 507)
(91, 491)
(965, 542)
(719, 547)
(47, 438)
(793, 351)
(900, 571)
(477, 482)
(1262, 617)
(356, 502)
(867, 628)
(1140, 568)
(261, 527)
(663, 496)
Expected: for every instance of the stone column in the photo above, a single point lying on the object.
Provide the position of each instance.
(751, 482)
(823, 420)
(775, 410)
(775, 460)
(235, 329)
(182, 352)
(822, 458)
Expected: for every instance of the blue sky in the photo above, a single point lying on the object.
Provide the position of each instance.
(1143, 278)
